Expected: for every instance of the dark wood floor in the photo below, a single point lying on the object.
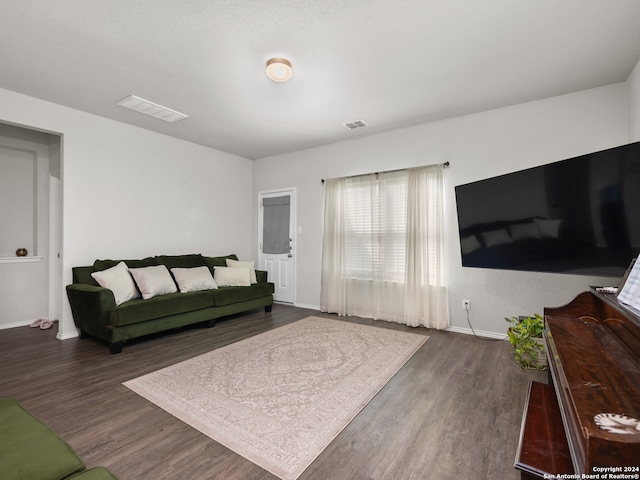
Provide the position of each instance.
(452, 412)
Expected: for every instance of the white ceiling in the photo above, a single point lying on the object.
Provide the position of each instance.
(391, 63)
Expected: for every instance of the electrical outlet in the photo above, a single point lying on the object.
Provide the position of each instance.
(465, 304)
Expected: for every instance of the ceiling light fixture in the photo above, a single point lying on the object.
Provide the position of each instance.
(279, 69)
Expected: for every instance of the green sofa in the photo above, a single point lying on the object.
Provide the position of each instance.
(29, 450)
(96, 314)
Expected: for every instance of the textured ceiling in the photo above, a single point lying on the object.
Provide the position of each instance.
(390, 63)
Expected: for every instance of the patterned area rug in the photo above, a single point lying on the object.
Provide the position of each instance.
(279, 398)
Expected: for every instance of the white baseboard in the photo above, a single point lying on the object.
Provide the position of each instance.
(479, 333)
(310, 307)
(298, 305)
(24, 323)
(68, 335)
(466, 331)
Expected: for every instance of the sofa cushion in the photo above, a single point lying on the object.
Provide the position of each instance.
(29, 449)
(104, 264)
(228, 295)
(83, 275)
(140, 310)
(153, 281)
(181, 261)
(219, 261)
(119, 281)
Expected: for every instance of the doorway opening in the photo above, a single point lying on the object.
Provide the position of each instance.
(277, 241)
(32, 216)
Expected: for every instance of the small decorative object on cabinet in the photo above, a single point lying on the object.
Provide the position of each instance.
(525, 334)
(21, 252)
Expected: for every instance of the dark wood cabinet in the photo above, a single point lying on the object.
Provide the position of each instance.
(586, 420)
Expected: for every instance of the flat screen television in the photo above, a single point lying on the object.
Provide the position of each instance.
(578, 216)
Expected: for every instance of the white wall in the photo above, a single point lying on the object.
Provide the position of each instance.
(633, 104)
(17, 199)
(478, 146)
(129, 192)
(24, 222)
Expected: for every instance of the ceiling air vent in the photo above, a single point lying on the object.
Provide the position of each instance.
(356, 124)
(152, 109)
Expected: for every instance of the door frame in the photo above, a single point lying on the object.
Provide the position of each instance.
(291, 191)
(55, 263)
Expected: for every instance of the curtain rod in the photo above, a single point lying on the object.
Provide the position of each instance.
(444, 165)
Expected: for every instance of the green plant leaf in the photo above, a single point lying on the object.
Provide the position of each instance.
(522, 334)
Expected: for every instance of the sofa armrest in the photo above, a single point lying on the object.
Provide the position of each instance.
(261, 276)
(29, 449)
(90, 307)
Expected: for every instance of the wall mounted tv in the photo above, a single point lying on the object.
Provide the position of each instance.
(578, 216)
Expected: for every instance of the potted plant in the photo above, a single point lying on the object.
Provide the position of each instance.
(525, 334)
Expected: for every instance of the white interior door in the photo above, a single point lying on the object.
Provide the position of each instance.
(276, 241)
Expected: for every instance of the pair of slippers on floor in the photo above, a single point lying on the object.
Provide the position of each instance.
(42, 323)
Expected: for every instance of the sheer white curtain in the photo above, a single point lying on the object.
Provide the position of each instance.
(383, 248)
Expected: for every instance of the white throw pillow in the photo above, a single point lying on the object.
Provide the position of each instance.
(194, 279)
(496, 237)
(153, 281)
(250, 265)
(119, 281)
(232, 277)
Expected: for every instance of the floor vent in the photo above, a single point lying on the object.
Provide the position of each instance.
(356, 124)
(152, 109)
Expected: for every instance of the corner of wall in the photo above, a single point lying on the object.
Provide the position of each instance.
(633, 104)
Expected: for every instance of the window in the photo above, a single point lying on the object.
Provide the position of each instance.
(383, 247)
(376, 227)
